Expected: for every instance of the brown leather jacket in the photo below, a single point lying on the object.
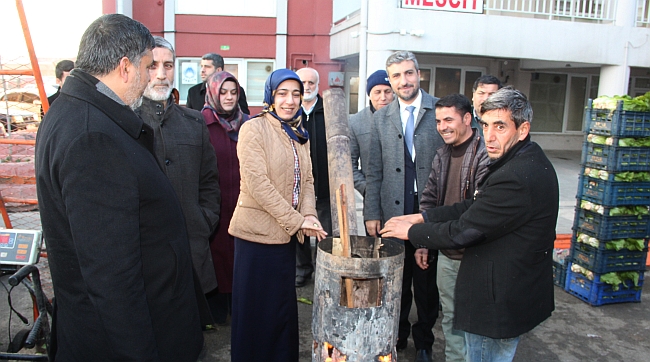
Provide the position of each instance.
(264, 213)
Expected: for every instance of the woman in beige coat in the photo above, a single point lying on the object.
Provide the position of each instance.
(276, 206)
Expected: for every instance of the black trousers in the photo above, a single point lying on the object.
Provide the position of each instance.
(425, 293)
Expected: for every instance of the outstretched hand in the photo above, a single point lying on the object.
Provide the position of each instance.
(398, 227)
(312, 227)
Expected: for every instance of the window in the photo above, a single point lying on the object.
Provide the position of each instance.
(448, 80)
(251, 74)
(261, 8)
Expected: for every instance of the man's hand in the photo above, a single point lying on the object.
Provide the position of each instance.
(373, 227)
(311, 227)
(396, 227)
(422, 258)
(412, 218)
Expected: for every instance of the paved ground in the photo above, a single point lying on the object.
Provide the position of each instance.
(575, 332)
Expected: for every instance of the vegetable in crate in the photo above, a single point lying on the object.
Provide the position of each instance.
(596, 173)
(632, 176)
(637, 104)
(575, 268)
(615, 279)
(629, 244)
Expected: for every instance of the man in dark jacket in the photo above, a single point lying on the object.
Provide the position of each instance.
(185, 154)
(313, 118)
(505, 282)
(210, 64)
(484, 86)
(117, 245)
(61, 71)
(457, 168)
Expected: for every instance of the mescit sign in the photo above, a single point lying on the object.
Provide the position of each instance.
(465, 6)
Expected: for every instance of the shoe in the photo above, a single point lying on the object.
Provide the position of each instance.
(423, 355)
(301, 280)
(401, 344)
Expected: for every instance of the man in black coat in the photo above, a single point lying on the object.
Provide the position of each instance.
(116, 238)
(210, 64)
(313, 119)
(505, 282)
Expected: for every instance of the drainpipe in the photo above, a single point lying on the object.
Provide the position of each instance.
(363, 54)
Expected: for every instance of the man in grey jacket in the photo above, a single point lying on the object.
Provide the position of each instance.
(406, 140)
(185, 154)
(457, 169)
(381, 94)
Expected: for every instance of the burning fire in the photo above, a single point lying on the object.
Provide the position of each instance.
(386, 358)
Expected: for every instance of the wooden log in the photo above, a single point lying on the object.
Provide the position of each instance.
(337, 132)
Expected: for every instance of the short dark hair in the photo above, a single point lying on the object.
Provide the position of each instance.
(109, 39)
(63, 66)
(217, 60)
(487, 79)
(510, 99)
(458, 101)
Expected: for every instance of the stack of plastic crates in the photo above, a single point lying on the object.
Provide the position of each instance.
(612, 222)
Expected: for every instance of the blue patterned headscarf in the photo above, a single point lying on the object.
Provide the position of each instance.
(294, 128)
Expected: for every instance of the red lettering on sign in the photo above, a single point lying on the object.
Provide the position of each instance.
(427, 3)
(438, 2)
(412, 2)
(451, 3)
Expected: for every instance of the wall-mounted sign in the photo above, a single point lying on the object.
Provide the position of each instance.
(190, 73)
(465, 6)
(336, 79)
(225, 47)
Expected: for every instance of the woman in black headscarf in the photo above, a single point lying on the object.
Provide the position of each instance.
(276, 206)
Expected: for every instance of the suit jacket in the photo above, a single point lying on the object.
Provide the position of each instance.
(385, 173)
(196, 98)
(116, 240)
(505, 281)
(360, 137)
(185, 154)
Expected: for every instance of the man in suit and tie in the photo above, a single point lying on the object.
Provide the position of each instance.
(484, 86)
(407, 139)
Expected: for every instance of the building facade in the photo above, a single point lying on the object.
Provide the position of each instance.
(559, 52)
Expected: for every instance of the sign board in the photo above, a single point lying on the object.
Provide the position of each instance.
(190, 73)
(336, 79)
(465, 6)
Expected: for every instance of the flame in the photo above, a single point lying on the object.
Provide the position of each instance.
(386, 358)
(328, 359)
(327, 345)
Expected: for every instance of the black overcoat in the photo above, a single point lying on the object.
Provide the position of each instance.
(116, 240)
(505, 282)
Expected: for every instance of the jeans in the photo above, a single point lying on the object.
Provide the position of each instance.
(454, 339)
(486, 349)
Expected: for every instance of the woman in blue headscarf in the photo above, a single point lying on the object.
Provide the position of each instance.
(276, 207)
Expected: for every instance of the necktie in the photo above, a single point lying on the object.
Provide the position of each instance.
(410, 126)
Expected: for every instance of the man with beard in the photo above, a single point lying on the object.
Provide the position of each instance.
(406, 139)
(210, 63)
(313, 118)
(184, 152)
(117, 244)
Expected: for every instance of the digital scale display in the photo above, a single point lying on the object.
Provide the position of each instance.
(19, 247)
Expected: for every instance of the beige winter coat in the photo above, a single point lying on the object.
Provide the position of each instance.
(264, 213)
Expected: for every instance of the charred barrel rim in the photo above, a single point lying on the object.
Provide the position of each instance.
(363, 247)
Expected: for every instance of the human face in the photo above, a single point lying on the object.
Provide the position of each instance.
(310, 83)
(500, 132)
(138, 81)
(207, 68)
(381, 95)
(482, 92)
(287, 99)
(228, 96)
(162, 75)
(405, 80)
(453, 128)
